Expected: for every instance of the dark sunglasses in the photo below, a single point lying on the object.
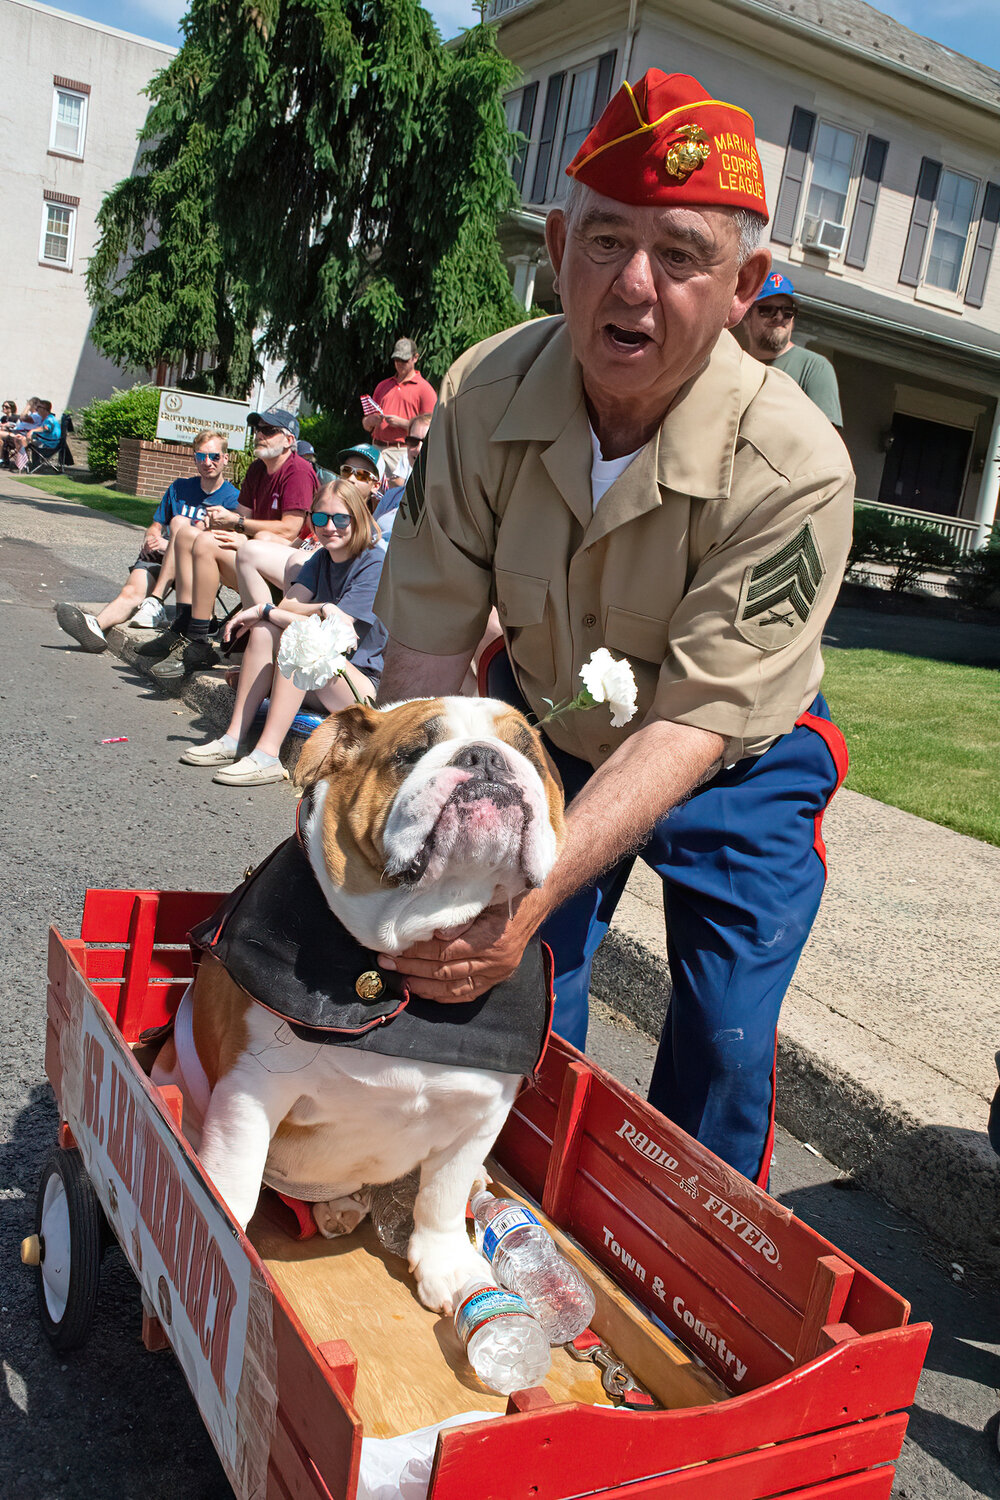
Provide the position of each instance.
(321, 518)
(266, 431)
(346, 472)
(413, 442)
(770, 313)
(207, 458)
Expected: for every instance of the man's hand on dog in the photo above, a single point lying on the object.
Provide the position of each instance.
(456, 967)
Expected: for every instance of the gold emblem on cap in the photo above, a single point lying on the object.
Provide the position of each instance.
(686, 156)
(369, 985)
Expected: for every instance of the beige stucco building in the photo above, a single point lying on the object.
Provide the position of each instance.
(71, 105)
(881, 156)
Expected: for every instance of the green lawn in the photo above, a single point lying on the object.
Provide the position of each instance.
(922, 735)
(89, 492)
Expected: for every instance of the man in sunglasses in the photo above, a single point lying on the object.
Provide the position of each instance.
(183, 508)
(274, 499)
(768, 327)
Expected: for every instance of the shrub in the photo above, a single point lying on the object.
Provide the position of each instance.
(107, 420)
(918, 547)
(874, 536)
(977, 579)
(240, 460)
(330, 433)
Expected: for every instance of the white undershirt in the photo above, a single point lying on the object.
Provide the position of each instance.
(604, 471)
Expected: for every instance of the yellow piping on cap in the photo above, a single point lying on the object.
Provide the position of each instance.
(644, 128)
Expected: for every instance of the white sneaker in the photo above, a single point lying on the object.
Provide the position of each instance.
(150, 615)
(82, 627)
(215, 753)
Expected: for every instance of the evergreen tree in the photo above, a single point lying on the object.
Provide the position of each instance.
(359, 171)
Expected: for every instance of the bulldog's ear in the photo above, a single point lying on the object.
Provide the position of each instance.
(334, 743)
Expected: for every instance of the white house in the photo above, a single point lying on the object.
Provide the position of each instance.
(71, 106)
(881, 156)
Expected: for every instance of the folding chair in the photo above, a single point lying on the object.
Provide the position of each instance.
(56, 460)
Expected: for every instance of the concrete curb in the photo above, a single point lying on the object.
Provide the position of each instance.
(886, 1108)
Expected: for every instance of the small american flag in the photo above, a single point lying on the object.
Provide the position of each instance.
(371, 408)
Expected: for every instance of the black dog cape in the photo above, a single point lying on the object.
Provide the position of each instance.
(279, 941)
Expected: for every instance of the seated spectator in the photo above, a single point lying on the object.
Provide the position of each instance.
(261, 564)
(389, 503)
(8, 414)
(341, 577)
(44, 433)
(183, 507)
(25, 423)
(275, 496)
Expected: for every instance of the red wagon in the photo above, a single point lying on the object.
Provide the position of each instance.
(778, 1364)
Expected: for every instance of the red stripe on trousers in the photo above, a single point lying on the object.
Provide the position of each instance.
(837, 746)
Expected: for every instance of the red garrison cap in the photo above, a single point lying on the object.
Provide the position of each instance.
(667, 141)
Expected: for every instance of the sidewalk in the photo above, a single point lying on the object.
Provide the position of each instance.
(889, 1028)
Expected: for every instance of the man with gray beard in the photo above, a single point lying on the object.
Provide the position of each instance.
(768, 328)
(274, 501)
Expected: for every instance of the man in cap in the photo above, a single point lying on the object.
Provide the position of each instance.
(625, 476)
(402, 396)
(275, 498)
(768, 328)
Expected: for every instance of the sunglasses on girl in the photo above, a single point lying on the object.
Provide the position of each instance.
(207, 458)
(346, 472)
(321, 518)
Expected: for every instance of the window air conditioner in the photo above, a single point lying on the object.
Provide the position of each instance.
(824, 234)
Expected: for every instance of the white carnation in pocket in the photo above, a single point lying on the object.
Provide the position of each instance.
(606, 679)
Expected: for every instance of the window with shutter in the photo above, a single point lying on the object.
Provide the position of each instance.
(589, 91)
(520, 111)
(872, 172)
(920, 218)
(547, 135)
(975, 293)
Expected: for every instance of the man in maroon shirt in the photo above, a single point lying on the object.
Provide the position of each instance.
(275, 498)
(402, 396)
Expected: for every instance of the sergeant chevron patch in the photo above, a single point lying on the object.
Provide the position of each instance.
(779, 592)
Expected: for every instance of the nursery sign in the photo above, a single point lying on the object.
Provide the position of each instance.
(183, 414)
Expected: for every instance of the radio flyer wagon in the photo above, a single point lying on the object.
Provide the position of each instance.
(787, 1366)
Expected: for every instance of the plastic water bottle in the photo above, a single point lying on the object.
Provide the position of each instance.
(390, 1208)
(506, 1346)
(525, 1260)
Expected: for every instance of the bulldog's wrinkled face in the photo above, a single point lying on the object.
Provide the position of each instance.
(450, 803)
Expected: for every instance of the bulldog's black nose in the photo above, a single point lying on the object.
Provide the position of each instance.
(483, 760)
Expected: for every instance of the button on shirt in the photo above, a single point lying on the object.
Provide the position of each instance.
(711, 563)
(405, 399)
(269, 496)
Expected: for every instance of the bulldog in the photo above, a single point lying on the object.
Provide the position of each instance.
(304, 1066)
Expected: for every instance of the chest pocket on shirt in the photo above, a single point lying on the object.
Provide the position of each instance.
(521, 603)
(636, 635)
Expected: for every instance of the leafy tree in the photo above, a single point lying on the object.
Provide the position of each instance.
(348, 164)
(106, 420)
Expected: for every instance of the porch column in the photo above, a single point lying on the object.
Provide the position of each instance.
(525, 271)
(989, 485)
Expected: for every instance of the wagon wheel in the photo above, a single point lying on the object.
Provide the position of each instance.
(66, 1248)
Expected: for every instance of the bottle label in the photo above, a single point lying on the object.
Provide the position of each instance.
(502, 1224)
(485, 1305)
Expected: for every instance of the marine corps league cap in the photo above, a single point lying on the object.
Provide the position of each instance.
(668, 142)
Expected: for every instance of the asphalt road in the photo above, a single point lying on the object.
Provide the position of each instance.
(112, 1421)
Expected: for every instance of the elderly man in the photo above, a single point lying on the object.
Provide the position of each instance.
(274, 501)
(768, 328)
(626, 477)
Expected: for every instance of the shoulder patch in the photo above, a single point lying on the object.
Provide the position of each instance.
(411, 508)
(779, 592)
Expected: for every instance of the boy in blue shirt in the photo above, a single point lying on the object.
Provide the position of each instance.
(183, 505)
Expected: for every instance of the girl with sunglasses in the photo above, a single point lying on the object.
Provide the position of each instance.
(340, 578)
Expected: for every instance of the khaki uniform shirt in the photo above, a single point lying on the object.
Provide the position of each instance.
(711, 563)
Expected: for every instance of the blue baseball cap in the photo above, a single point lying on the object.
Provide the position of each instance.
(775, 285)
(275, 416)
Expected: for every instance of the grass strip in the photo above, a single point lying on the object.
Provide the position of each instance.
(922, 735)
(134, 508)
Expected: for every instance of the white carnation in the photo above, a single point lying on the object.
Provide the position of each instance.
(311, 650)
(610, 681)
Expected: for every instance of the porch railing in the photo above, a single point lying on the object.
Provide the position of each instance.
(962, 533)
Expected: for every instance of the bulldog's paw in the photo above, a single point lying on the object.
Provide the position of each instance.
(442, 1264)
(339, 1216)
